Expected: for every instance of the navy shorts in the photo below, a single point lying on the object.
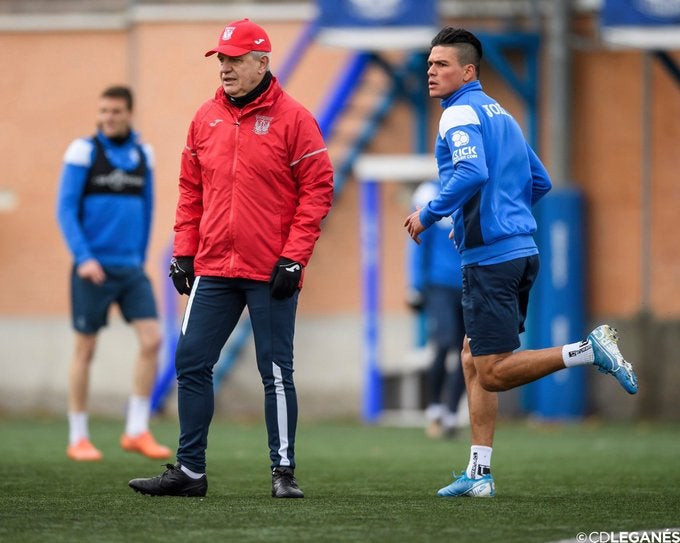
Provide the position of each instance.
(129, 288)
(495, 300)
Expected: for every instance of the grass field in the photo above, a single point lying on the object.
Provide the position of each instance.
(362, 484)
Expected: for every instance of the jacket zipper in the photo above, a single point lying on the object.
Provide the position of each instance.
(237, 124)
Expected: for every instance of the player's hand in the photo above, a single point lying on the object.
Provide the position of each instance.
(452, 237)
(182, 273)
(91, 270)
(414, 226)
(285, 278)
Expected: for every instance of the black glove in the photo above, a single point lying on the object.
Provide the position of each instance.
(415, 300)
(285, 278)
(182, 273)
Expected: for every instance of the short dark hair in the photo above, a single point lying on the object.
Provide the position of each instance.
(468, 46)
(119, 91)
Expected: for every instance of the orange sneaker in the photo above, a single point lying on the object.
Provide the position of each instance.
(83, 451)
(146, 445)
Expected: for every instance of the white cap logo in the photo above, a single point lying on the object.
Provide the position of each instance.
(228, 31)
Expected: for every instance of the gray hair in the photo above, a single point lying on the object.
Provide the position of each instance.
(259, 54)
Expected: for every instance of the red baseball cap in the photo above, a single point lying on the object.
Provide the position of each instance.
(241, 37)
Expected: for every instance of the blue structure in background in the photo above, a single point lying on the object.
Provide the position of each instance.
(370, 249)
(645, 16)
(523, 80)
(654, 26)
(376, 13)
(556, 313)
(166, 377)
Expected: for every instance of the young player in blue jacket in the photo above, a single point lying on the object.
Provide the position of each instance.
(435, 285)
(104, 211)
(490, 179)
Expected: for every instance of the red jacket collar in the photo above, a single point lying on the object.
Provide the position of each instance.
(267, 98)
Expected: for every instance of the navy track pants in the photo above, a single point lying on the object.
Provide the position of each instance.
(213, 310)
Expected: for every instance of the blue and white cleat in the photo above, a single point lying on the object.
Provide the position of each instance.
(463, 486)
(608, 358)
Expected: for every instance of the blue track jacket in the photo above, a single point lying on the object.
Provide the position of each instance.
(435, 261)
(112, 227)
(490, 178)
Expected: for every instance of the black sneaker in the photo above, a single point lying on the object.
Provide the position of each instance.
(174, 482)
(284, 484)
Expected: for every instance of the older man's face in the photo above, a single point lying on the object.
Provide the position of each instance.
(240, 75)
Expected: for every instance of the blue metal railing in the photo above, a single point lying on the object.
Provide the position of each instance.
(304, 40)
(399, 88)
(525, 84)
(165, 378)
(341, 92)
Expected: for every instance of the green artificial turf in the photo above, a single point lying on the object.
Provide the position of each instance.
(361, 483)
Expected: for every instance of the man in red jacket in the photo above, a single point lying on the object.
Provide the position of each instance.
(255, 183)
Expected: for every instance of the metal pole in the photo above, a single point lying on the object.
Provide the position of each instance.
(649, 405)
(559, 95)
(646, 185)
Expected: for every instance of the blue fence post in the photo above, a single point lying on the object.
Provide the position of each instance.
(166, 375)
(557, 313)
(370, 262)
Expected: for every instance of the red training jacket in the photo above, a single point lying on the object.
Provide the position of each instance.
(254, 185)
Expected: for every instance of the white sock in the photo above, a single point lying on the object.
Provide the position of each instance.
(77, 427)
(190, 473)
(480, 461)
(578, 354)
(138, 411)
(434, 411)
(450, 420)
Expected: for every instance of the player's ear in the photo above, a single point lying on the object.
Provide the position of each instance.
(264, 63)
(470, 72)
